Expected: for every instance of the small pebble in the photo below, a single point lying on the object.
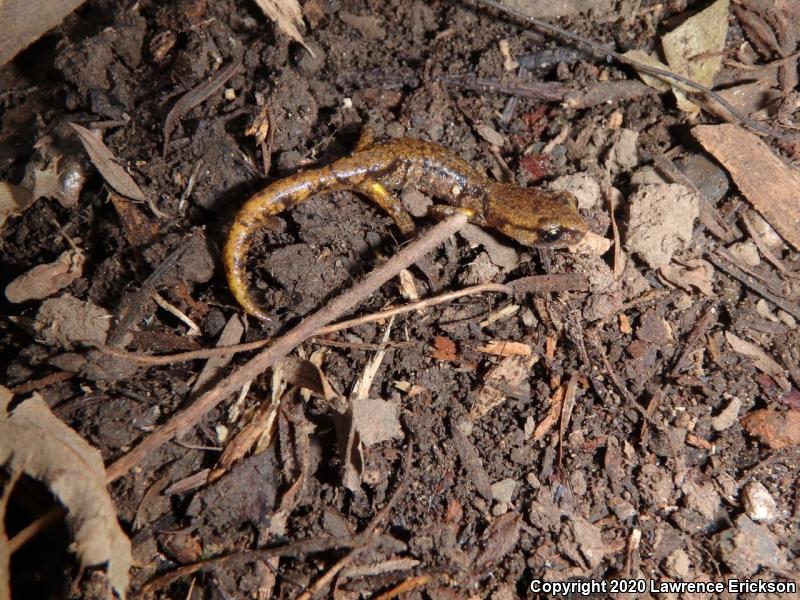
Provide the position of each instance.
(758, 504)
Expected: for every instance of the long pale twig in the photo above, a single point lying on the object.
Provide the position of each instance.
(184, 420)
(169, 359)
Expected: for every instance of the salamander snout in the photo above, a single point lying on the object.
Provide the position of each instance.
(537, 218)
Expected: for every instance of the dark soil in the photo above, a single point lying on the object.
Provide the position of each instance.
(651, 362)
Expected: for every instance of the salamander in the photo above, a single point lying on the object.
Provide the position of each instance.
(530, 216)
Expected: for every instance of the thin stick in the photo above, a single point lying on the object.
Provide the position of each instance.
(184, 420)
(750, 282)
(169, 359)
(607, 53)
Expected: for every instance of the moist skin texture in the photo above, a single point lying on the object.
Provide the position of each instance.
(530, 216)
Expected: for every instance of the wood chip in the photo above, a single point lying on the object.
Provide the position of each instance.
(506, 348)
(764, 179)
(502, 381)
(104, 160)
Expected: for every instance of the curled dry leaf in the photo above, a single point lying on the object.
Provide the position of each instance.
(288, 16)
(44, 280)
(105, 162)
(35, 442)
(693, 273)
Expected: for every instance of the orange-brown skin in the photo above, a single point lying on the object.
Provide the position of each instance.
(530, 216)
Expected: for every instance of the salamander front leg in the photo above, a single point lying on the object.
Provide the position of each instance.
(442, 211)
(378, 193)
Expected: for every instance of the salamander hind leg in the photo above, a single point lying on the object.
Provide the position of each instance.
(392, 205)
(366, 139)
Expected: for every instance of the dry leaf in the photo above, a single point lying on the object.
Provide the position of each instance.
(693, 50)
(37, 443)
(288, 16)
(501, 538)
(105, 162)
(13, 200)
(694, 273)
(44, 280)
(765, 180)
(444, 349)
(139, 228)
(305, 374)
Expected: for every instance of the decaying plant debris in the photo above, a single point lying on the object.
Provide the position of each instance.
(452, 415)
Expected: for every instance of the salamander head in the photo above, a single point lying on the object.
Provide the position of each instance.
(535, 217)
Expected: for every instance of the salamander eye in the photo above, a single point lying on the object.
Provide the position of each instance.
(550, 234)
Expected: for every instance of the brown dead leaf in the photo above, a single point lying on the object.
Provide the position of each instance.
(693, 273)
(502, 537)
(288, 16)
(305, 374)
(105, 162)
(694, 50)
(138, 227)
(766, 181)
(35, 442)
(444, 349)
(44, 280)
(776, 429)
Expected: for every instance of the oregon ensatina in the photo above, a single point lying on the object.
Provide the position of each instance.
(530, 216)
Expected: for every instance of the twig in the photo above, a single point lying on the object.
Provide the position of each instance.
(537, 90)
(135, 304)
(38, 526)
(187, 418)
(761, 245)
(780, 62)
(42, 382)
(750, 282)
(374, 523)
(300, 547)
(169, 359)
(607, 53)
